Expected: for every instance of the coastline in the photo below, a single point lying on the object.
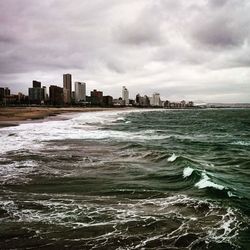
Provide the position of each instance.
(13, 116)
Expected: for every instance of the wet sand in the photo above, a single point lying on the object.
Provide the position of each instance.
(12, 116)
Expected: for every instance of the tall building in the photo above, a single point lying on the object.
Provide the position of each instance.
(1, 94)
(45, 93)
(6, 92)
(67, 88)
(80, 91)
(155, 100)
(125, 95)
(142, 101)
(36, 84)
(56, 95)
(36, 94)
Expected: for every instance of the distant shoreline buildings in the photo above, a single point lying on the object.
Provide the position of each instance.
(65, 96)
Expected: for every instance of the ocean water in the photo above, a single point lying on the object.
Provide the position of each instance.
(159, 179)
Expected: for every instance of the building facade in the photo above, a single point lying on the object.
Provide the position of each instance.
(6, 92)
(125, 95)
(1, 94)
(80, 92)
(155, 100)
(67, 88)
(108, 101)
(96, 97)
(36, 84)
(56, 96)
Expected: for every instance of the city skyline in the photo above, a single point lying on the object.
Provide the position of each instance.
(65, 95)
(193, 51)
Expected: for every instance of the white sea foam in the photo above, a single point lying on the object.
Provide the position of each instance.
(230, 194)
(172, 158)
(16, 172)
(121, 119)
(187, 172)
(85, 126)
(221, 225)
(206, 182)
(241, 143)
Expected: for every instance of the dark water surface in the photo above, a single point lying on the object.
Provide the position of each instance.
(173, 179)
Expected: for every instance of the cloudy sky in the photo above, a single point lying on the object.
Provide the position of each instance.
(184, 49)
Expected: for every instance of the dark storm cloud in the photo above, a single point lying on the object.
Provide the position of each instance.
(222, 33)
(148, 45)
(225, 27)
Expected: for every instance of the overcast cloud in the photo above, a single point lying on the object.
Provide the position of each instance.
(193, 50)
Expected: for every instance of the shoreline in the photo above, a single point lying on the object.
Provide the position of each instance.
(13, 116)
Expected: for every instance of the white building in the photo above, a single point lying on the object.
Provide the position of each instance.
(155, 100)
(125, 95)
(80, 91)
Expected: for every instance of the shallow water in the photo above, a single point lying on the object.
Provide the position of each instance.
(169, 179)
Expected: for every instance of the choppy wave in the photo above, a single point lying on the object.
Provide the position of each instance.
(175, 217)
(33, 136)
(206, 182)
(178, 179)
(187, 172)
(172, 158)
(241, 143)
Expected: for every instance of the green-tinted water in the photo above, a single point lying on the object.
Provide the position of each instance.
(173, 179)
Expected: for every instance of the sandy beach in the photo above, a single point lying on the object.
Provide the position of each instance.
(12, 116)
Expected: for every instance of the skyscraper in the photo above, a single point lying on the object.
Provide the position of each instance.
(80, 91)
(36, 93)
(155, 100)
(125, 95)
(36, 84)
(67, 88)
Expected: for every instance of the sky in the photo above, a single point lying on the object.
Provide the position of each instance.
(191, 50)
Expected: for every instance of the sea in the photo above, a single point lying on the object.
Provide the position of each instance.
(127, 179)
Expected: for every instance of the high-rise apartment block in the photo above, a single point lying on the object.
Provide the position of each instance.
(80, 91)
(142, 101)
(36, 94)
(125, 95)
(155, 100)
(67, 88)
(56, 95)
(36, 84)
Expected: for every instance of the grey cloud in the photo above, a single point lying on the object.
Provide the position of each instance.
(148, 45)
(220, 32)
(6, 40)
(144, 29)
(138, 34)
(217, 3)
(222, 28)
